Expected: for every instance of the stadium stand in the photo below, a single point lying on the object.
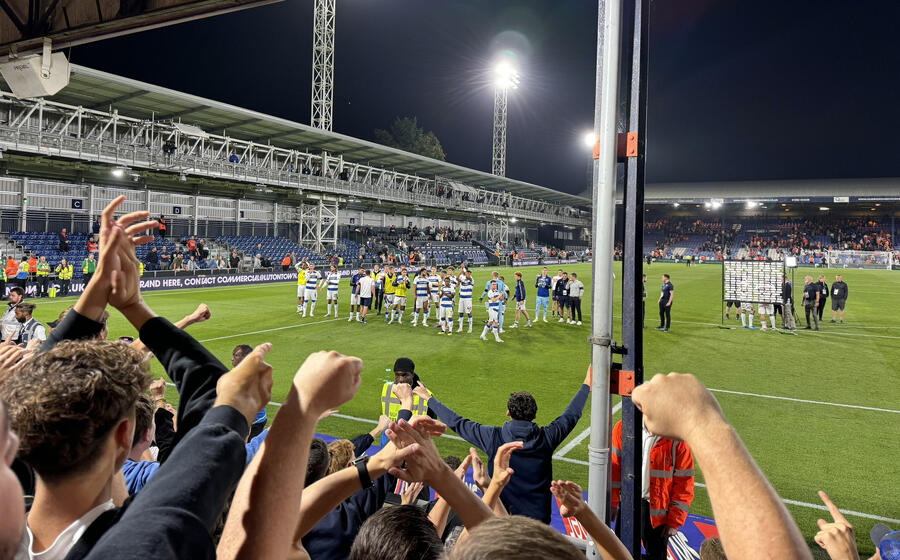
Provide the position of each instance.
(274, 248)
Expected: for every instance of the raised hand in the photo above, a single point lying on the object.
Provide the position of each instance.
(200, 314)
(422, 391)
(570, 496)
(408, 497)
(118, 269)
(404, 392)
(836, 538)
(158, 390)
(424, 466)
(10, 357)
(677, 405)
(502, 470)
(463, 467)
(328, 413)
(248, 386)
(383, 423)
(479, 470)
(327, 380)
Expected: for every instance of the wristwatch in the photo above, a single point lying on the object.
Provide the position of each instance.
(363, 470)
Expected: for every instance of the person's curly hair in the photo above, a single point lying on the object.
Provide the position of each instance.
(522, 406)
(64, 402)
(341, 452)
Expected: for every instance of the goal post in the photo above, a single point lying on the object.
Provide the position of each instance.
(859, 259)
(751, 282)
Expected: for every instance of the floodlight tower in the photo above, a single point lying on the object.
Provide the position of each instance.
(505, 78)
(323, 64)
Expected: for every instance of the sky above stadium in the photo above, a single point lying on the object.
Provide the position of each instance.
(738, 90)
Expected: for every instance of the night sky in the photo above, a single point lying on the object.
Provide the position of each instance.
(738, 90)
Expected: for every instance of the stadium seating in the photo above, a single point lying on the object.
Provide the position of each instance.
(273, 248)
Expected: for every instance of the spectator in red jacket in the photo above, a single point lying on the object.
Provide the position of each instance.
(667, 487)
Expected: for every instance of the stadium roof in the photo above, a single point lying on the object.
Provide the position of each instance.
(100, 90)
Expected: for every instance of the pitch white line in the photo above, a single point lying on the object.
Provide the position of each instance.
(269, 330)
(799, 330)
(582, 436)
(825, 403)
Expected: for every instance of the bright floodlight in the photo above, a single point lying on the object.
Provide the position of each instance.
(676, 205)
(512, 220)
(590, 139)
(706, 204)
(118, 172)
(716, 205)
(505, 75)
(751, 204)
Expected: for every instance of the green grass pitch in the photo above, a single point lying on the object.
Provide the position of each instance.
(801, 446)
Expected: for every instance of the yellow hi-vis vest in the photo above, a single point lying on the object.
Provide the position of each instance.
(43, 269)
(390, 403)
(65, 272)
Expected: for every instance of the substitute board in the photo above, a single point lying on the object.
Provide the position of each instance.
(752, 281)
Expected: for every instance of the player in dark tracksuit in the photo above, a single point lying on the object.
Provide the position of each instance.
(838, 297)
(823, 296)
(562, 296)
(665, 304)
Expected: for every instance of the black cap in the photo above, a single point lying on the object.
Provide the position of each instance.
(404, 365)
(878, 532)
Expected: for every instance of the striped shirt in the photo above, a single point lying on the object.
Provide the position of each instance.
(333, 280)
(312, 278)
(447, 293)
(465, 289)
(422, 287)
(494, 298)
(435, 282)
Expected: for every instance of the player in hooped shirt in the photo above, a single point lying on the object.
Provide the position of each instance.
(332, 281)
(312, 289)
(445, 312)
(466, 285)
(494, 300)
(434, 289)
(422, 286)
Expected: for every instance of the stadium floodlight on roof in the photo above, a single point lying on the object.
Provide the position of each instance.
(118, 172)
(590, 139)
(505, 75)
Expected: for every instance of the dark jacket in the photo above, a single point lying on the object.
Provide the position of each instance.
(823, 292)
(528, 492)
(839, 290)
(560, 289)
(174, 516)
(332, 537)
(787, 292)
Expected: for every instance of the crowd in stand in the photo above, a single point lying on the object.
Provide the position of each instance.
(810, 237)
(79, 417)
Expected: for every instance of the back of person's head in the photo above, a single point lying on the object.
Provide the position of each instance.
(712, 549)
(341, 452)
(516, 537)
(65, 402)
(143, 418)
(453, 462)
(319, 461)
(397, 533)
(522, 406)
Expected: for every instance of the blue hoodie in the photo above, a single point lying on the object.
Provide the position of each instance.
(528, 492)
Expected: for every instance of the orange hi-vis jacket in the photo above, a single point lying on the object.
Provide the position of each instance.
(671, 479)
(12, 267)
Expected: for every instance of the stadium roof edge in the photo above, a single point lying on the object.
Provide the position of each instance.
(97, 89)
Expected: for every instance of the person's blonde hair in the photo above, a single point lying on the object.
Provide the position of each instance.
(515, 537)
(341, 452)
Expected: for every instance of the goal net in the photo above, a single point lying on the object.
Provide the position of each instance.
(752, 281)
(859, 259)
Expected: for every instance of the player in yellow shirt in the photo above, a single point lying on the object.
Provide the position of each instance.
(401, 286)
(389, 289)
(301, 285)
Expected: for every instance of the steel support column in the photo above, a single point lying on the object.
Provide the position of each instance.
(498, 157)
(604, 192)
(634, 88)
(323, 64)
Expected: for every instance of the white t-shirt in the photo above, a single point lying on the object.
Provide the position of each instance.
(65, 541)
(648, 440)
(365, 284)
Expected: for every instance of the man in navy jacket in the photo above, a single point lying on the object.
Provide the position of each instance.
(528, 492)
